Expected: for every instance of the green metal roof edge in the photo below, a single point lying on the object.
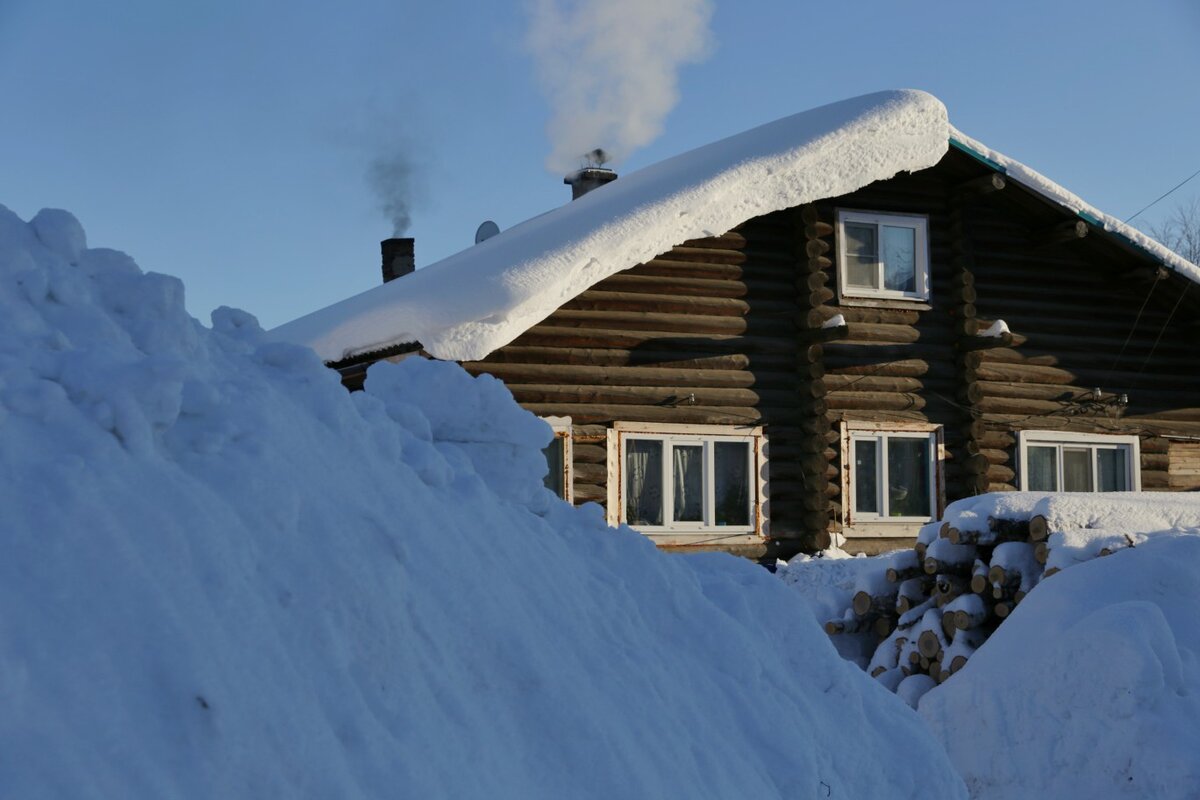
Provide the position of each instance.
(975, 154)
(1090, 219)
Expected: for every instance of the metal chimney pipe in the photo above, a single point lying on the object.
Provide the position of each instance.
(588, 178)
(398, 258)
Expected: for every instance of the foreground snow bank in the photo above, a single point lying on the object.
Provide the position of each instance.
(226, 577)
(1090, 689)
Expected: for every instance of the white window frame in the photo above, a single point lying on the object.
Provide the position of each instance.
(562, 433)
(856, 523)
(1092, 441)
(918, 223)
(689, 532)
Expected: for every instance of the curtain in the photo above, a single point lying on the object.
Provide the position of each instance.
(687, 463)
(1077, 469)
(1043, 469)
(899, 258)
(866, 476)
(1114, 474)
(643, 482)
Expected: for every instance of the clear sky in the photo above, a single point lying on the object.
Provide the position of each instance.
(228, 143)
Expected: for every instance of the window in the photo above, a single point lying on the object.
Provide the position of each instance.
(558, 457)
(1053, 461)
(884, 256)
(892, 474)
(680, 479)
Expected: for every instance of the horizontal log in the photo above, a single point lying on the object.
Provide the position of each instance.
(868, 314)
(781, 325)
(605, 300)
(874, 401)
(696, 287)
(667, 396)
(584, 453)
(594, 474)
(573, 374)
(872, 383)
(559, 336)
(697, 415)
(615, 357)
(588, 493)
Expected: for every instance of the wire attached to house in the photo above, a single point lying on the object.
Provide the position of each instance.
(1133, 328)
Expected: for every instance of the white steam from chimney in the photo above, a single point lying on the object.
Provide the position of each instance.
(609, 69)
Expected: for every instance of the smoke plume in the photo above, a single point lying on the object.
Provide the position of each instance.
(390, 177)
(609, 69)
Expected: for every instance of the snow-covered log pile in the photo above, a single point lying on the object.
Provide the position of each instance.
(932, 606)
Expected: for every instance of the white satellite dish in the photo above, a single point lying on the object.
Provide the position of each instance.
(486, 231)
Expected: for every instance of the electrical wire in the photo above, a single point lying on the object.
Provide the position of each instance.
(1164, 197)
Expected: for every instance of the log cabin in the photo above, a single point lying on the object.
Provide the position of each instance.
(827, 326)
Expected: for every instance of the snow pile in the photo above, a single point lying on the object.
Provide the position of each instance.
(1092, 687)
(469, 304)
(226, 577)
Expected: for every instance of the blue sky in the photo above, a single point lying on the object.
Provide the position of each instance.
(227, 142)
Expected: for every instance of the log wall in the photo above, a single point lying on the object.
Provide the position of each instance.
(707, 333)
(729, 330)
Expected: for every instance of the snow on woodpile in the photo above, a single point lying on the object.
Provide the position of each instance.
(1091, 689)
(469, 304)
(224, 576)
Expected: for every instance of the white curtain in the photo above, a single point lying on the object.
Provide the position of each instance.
(643, 482)
(687, 462)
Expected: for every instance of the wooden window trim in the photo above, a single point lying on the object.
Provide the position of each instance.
(885, 527)
(562, 431)
(876, 297)
(1027, 438)
(679, 534)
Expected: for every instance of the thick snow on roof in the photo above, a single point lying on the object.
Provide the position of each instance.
(471, 303)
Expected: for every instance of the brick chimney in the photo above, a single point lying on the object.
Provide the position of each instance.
(588, 178)
(398, 258)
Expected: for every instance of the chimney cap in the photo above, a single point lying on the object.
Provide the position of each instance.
(585, 180)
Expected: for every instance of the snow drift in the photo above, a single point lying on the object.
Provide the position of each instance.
(1090, 688)
(226, 577)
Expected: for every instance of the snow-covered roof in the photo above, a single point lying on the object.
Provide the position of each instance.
(480, 299)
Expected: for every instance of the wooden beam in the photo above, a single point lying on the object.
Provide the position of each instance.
(1070, 231)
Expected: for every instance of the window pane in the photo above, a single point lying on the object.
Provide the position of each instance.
(862, 273)
(554, 460)
(860, 240)
(643, 482)
(899, 258)
(1114, 471)
(687, 466)
(1043, 469)
(732, 483)
(908, 477)
(1077, 469)
(866, 476)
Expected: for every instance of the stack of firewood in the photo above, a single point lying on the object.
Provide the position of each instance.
(937, 603)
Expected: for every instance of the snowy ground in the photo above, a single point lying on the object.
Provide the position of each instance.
(224, 576)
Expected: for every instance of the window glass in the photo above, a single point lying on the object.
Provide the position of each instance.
(1113, 470)
(687, 467)
(866, 476)
(908, 477)
(732, 483)
(899, 258)
(1043, 469)
(554, 460)
(643, 482)
(1077, 469)
(862, 259)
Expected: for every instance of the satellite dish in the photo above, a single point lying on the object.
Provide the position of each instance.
(486, 231)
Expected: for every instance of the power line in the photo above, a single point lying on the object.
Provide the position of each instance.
(1165, 196)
